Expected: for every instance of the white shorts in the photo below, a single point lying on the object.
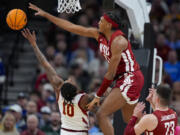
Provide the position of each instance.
(63, 132)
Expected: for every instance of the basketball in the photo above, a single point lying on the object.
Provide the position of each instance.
(16, 19)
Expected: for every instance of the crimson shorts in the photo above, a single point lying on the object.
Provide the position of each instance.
(130, 85)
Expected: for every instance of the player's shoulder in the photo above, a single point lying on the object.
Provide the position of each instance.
(150, 118)
(83, 101)
(84, 98)
(79, 96)
(120, 41)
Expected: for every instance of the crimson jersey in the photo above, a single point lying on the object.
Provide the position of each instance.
(167, 122)
(127, 62)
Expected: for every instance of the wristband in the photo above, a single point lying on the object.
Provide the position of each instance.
(134, 119)
(129, 130)
(105, 84)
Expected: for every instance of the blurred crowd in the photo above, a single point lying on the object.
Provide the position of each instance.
(165, 18)
(72, 55)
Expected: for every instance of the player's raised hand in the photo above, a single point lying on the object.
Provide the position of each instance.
(93, 102)
(149, 97)
(31, 37)
(39, 12)
(138, 110)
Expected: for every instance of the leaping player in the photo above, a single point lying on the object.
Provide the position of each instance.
(123, 68)
(72, 103)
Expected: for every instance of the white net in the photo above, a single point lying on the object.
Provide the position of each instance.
(68, 6)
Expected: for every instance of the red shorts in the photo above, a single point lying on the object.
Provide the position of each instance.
(130, 85)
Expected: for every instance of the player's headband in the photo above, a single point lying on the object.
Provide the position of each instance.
(108, 19)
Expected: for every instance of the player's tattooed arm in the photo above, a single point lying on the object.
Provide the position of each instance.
(54, 79)
(51, 73)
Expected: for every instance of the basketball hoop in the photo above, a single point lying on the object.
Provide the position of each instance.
(68, 6)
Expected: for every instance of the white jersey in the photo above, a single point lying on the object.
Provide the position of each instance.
(73, 118)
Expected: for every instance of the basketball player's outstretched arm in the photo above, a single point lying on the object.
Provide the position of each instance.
(55, 80)
(66, 25)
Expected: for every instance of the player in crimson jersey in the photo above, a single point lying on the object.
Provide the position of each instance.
(123, 67)
(162, 121)
(72, 103)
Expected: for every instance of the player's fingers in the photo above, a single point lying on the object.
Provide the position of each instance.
(34, 34)
(89, 106)
(141, 105)
(22, 32)
(25, 32)
(37, 13)
(137, 105)
(150, 92)
(151, 89)
(149, 95)
(141, 108)
(148, 98)
(28, 32)
(32, 6)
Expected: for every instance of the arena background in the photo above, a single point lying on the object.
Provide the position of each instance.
(22, 78)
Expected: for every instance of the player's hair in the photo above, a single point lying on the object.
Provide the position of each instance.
(164, 92)
(68, 92)
(117, 16)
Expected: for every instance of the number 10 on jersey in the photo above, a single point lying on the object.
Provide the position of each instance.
(68, 109)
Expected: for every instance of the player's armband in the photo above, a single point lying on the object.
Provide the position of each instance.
(130, 127)
(105, 84)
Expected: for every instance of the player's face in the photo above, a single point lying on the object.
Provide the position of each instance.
(103, 24)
